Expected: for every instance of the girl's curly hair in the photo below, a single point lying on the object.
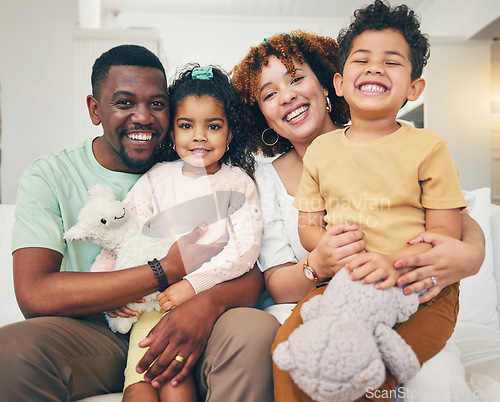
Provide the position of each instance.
(379, 16)
(320, 53)
(237, 113)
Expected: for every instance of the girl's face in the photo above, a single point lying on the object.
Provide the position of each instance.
(294, 107)
(201, 134)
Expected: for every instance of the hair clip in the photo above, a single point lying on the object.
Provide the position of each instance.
(265, 40)
(202, 73)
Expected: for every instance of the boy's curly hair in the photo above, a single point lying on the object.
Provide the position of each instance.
(320, 53)
(237, 113)
(379, 16)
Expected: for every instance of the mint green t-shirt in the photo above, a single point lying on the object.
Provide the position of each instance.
(51, 193)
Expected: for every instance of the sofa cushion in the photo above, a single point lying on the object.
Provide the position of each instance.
(495, 239)
(478, 293)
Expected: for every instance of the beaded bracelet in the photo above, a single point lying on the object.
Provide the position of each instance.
(159, 274)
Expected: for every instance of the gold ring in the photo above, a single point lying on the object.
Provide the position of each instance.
(179, 358)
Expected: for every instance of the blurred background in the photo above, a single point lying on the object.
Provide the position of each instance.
(48, 48)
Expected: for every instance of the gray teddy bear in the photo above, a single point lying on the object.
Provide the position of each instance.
(342, 349)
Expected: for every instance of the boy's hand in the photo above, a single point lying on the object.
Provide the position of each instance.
(175, 294)
(373, 267)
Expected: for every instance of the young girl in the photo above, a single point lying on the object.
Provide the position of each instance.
(205, 178)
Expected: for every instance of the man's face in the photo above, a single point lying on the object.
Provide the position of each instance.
(132, 107)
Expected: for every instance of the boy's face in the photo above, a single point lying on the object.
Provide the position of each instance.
(377, 75)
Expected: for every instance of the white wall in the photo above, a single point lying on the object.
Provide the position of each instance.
(222, 40)
(457, 105)
(36, 83)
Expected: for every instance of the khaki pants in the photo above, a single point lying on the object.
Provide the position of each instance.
(66, 359)
(426, 332)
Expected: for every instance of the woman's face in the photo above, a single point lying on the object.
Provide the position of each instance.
(294, 107)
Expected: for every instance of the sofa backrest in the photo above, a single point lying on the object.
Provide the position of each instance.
(9, 311)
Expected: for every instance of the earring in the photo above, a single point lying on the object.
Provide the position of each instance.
(173, 147)
(328, 105)
(227, 147)
(269, 144)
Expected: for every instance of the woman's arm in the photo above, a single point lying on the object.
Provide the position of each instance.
(286, 283)
(449, 261)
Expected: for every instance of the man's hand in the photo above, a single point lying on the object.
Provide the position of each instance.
(124, 311)
(184, 332)
(185, 256)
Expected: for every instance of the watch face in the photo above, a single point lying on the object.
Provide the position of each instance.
(309, 274)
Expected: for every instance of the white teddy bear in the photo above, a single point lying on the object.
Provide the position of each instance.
(108, 223)
(346, 341)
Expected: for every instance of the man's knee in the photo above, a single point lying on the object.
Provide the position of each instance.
(249, 329)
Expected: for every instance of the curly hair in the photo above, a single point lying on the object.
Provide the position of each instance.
(320, 53)
(237, 113)
(122, 55)
(379, 16)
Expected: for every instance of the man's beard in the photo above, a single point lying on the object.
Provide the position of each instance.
(137, 165)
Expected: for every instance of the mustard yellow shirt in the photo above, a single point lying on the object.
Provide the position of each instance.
(383, 185)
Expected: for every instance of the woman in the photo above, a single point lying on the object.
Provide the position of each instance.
(287, 81)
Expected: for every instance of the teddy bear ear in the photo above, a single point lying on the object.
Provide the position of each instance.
(282, 356)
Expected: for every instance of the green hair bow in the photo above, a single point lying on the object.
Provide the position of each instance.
(202, 73)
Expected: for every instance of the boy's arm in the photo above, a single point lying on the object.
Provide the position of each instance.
(311, 228)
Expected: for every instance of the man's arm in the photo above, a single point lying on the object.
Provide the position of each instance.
(185, 330)
(41, 289)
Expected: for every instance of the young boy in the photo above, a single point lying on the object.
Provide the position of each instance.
(391, 179)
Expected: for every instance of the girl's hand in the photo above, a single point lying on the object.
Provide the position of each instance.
(373, 267)
(337, 247)
(174, 295)
(448, 261)
(124, 311)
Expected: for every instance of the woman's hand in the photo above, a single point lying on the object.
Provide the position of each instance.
(448, 261)
(174, 295)
(336, 248)
(125, 311)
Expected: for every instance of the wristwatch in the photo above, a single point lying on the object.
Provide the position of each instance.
(309, 272)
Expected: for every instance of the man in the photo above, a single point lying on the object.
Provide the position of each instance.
(64, 350)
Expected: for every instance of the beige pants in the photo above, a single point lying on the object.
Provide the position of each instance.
(66, 359)
(426, 332)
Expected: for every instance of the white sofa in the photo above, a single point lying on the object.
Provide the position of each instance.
(475, 344)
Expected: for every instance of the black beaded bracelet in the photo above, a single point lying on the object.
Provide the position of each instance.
(159, 274)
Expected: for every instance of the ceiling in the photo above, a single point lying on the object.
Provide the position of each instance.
(342, 9)
(330, 9)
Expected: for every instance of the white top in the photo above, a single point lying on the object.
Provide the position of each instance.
(280, 241)
(169, 204)
(280, 238)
